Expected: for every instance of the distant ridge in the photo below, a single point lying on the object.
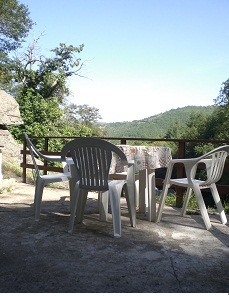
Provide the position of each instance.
(154, 126)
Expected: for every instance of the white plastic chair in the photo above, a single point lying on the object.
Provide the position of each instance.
(214, 162)
(92, 158)
(42, 180)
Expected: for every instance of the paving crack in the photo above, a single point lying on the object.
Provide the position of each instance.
(174, 272)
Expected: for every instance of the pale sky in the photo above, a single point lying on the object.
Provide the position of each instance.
(143, 57)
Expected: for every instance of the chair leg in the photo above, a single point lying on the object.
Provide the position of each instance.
(72, 183)
(218, 203)
(137, 193)
(115, 189)
(130, 200)
(186, 201)
(103, 205)
(74, 203)
(202, 206)
(39, 188)
(82, 199)
(162, 201)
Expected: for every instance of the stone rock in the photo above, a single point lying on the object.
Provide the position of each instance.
(9, 112)
(9, 115)
(12, 150)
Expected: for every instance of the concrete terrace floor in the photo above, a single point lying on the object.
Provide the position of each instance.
(176, 255)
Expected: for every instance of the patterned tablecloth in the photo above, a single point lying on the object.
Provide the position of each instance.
(145, 157)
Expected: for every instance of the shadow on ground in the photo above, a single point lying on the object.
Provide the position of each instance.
(177, 255)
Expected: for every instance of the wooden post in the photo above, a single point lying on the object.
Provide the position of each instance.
(179, 190)
(46, 149)
(1, 176)
(24, 162)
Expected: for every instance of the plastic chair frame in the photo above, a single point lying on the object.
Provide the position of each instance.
(42, 180)
(92, 159)
(214, 164)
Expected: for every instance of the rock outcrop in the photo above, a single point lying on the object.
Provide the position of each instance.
(9, 111)
(9, 115)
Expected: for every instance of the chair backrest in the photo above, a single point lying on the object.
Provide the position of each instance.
(33, 153)
(215, 168)
(92, 158)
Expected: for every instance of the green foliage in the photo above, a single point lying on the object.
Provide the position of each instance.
(47, 76)
(223, 97)
(170, 200)
(39, 83)
(41, 94)
(192, 204)
(14, 24)
(220, 118)
(164, 125)
(226, 208)
(84, 114)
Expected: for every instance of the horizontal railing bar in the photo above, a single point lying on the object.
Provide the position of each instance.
(159, 182)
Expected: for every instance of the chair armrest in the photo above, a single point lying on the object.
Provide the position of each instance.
(184, 161)
(205, 161)
(208, 164)
(190, 165)
(54, 158)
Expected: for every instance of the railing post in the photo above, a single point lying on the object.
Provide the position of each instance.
(24, 162)
(179, 190)
(123, 141)
(46, 149)
(1, 176)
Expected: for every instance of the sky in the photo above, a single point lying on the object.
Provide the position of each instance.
(142, 57)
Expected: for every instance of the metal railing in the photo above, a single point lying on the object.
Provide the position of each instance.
(181, 153)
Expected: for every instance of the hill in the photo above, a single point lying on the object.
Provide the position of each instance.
(155, 126)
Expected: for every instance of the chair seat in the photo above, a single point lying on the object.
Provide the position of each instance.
(57, 177)
(184, 182)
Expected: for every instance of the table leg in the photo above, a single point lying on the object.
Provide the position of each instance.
(147, 193)
(152, 196)
(143, 191)
(137, 192)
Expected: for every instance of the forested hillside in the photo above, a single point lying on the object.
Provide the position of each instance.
(155, 126)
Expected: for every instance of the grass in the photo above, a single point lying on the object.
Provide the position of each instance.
(5, 189)
(11, 170)
(226, 208)
(192, 205)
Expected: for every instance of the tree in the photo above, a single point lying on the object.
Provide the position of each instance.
(84, 114)
(223, 97)
(47, 75)
(175, 131)
(220, 118)
(40, 88)
(38, 83)
(15, 24)
(196, 128)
